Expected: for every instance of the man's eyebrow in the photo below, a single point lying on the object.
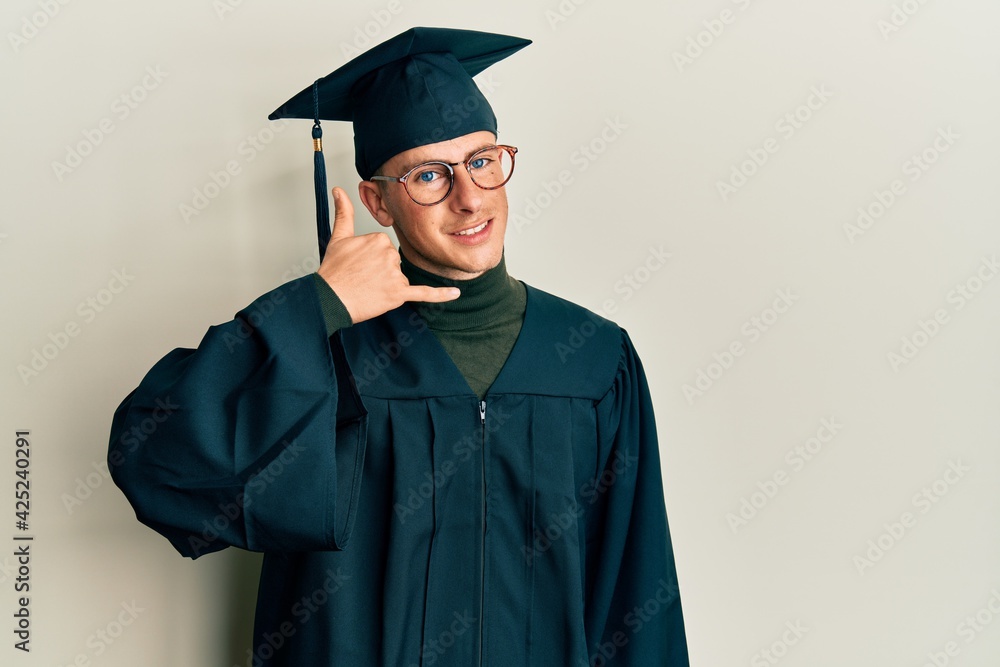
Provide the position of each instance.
(410, 166)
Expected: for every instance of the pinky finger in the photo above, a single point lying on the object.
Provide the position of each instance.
(429, 294)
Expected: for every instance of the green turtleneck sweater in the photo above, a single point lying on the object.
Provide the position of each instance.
(477, 330)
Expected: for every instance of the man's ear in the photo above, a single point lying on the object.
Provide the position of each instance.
(373, 199)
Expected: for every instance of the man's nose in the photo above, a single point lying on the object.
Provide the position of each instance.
(465, 194)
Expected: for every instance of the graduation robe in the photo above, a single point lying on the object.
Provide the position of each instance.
(404, 521)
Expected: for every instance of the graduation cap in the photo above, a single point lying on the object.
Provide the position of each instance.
(413, 89)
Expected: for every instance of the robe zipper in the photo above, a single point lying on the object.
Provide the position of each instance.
(482, 536)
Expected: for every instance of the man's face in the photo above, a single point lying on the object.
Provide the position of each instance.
(430, 236)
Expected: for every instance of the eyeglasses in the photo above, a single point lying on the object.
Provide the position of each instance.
(430, 183)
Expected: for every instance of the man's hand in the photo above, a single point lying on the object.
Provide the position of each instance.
(364, 270)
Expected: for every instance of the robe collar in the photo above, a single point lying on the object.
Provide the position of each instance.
(562, 350)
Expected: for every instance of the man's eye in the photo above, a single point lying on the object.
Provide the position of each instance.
(431, 175)
(479, 162)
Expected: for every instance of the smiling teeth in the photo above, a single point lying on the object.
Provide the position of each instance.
(474, 230)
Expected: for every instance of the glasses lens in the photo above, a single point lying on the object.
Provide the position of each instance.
(429, 183)
(491, 167)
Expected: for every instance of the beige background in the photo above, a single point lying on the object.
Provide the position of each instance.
(672, 130)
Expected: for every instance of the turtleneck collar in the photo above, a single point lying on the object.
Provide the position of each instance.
(487, 299)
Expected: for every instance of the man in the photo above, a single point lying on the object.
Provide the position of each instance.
(443, 465)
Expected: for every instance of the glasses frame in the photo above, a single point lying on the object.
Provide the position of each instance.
(510, 150)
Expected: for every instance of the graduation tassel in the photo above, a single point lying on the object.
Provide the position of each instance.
(319, 179)
(322, 203)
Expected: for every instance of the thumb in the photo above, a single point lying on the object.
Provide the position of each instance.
(343, 215)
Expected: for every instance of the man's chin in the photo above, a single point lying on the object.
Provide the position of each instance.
(462, 268)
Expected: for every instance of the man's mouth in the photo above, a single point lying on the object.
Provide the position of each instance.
(472, 230)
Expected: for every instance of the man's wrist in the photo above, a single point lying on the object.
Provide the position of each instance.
(335, 313)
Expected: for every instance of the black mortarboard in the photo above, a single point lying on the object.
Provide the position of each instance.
(413, 89)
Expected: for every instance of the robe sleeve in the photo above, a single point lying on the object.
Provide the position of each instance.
(255, 439)
(633, 613)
